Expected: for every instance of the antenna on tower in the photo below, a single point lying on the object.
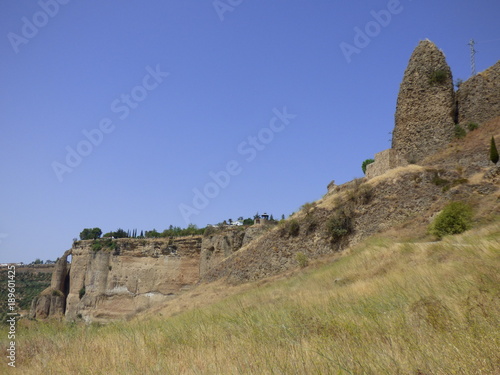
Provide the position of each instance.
(472, 57)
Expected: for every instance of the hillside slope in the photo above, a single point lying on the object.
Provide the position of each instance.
(381, 307)
(405, 198)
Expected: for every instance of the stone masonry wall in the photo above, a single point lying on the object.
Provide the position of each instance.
(425, 113)
(478, 98)
(384, 161)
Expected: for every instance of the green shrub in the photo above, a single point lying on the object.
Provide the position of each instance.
(360, 194)
(472, 126)
(81, 293)
(438, 76)
(365, 164)
(339, 225)
(301, 259)
(56, 292)
(459, 132)
(455, 218)
(104, 244)
(289, 228)
(308, 206)
(97, 246)
(293, 228)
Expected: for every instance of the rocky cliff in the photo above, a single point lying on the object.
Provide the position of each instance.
(114, 279)
(52, 301)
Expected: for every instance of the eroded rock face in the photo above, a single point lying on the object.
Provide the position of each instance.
(52, 301)
(478, 98)
(130, 276)
(218, 246)
(116, 279)
(48, 305)
(425, 113)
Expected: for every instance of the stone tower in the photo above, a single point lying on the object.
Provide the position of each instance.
(425, 113)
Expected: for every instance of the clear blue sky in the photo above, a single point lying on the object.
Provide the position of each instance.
(71, 67)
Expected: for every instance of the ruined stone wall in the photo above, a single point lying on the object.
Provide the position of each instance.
(384, 161)
(425, 113)
(478, 98)
(223, 243)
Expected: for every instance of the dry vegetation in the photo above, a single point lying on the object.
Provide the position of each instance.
(381, 307)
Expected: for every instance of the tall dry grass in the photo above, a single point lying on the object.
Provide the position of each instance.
(380, 308)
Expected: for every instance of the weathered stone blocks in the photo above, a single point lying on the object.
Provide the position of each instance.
(478, 98)
(384, 161)
(425, 113)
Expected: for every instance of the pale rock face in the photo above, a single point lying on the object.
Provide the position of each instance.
(116, 283)
(131, 276)
(137, 275)
(425, 113)
(52, 301)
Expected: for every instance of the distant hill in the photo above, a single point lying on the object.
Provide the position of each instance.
(30, 281)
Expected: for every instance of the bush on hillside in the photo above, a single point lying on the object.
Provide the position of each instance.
(472, 126)
(339, 225)
(455, 218)
(460, 132)
(293, 228)
(301, 259)
(360, 193)
(290, 228)
(365, 164)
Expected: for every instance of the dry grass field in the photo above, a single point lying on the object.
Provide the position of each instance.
(382, 307)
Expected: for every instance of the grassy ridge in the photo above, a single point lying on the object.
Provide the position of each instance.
(380, 308)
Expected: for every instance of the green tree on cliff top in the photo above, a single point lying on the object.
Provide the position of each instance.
(90, 233)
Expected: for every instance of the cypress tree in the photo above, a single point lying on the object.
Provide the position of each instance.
(493, 151)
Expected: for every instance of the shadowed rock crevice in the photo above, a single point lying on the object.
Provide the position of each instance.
(52, 301)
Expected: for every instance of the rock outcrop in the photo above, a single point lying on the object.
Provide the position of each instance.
(52, 301)
(129, 276)
(115, 279)
(425, 113)
(221, 244)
